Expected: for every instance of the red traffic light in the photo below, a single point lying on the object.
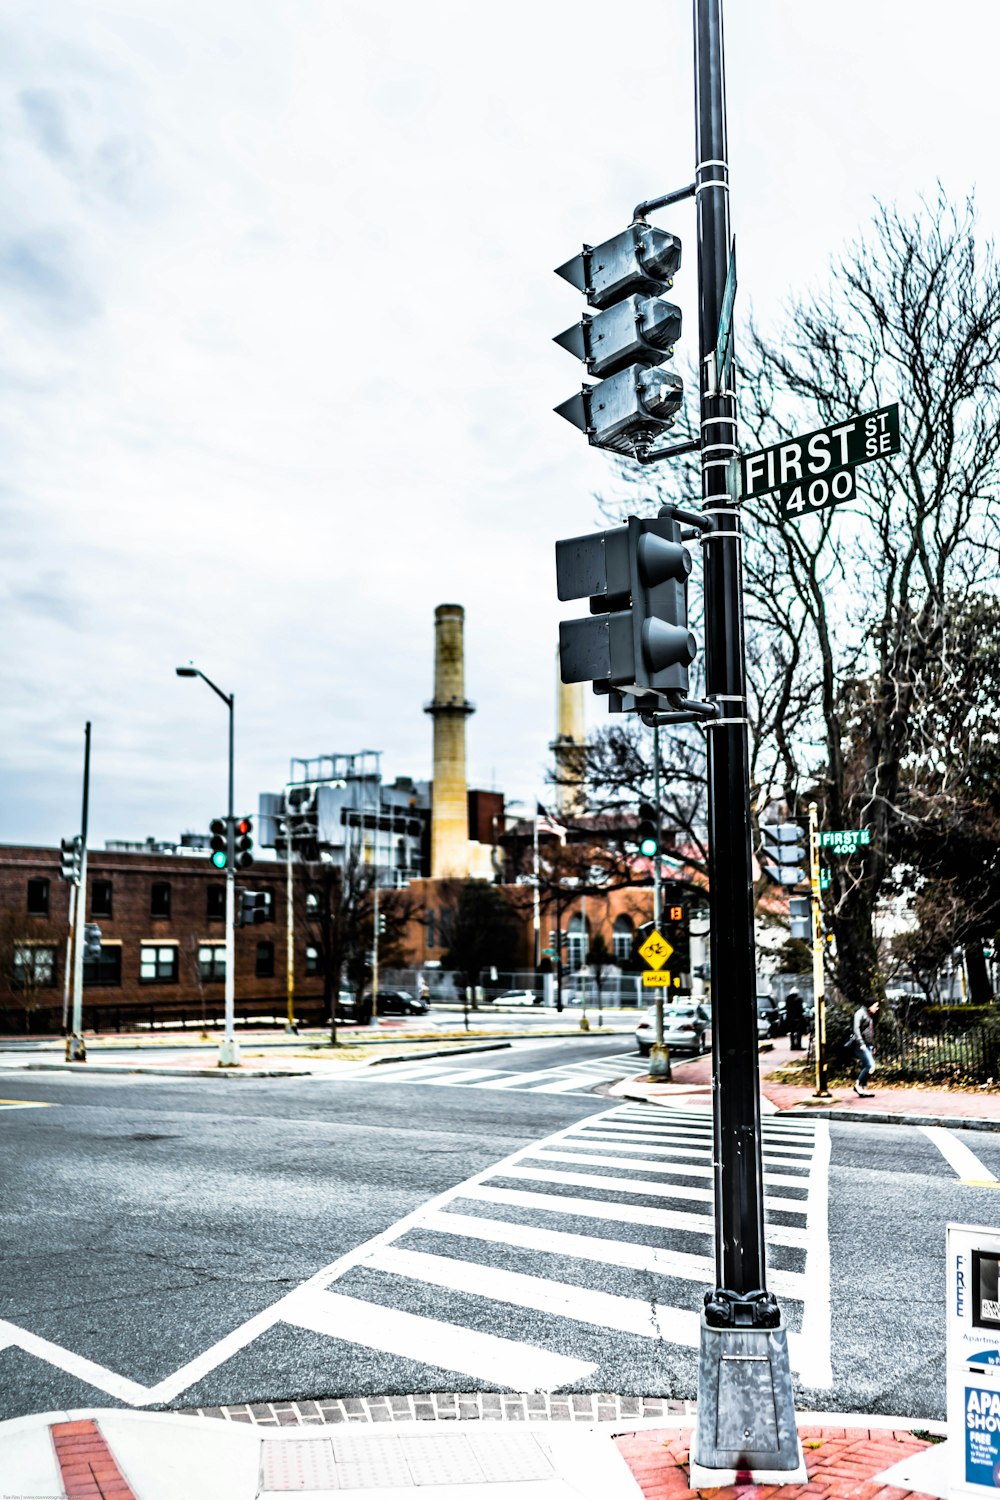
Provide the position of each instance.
(244, 826)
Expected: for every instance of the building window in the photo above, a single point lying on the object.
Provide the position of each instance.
(159, 905)
(312, 959)
(265, 961)
(312, 903)
(38, 897)
(100, 898)
(34, 966)
(106, 971)
(158, 965)
(576, 941)
(622, 939)
(212, 961)
(430, 921)
(215, 903)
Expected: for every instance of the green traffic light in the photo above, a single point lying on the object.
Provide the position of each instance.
(648, 847)
(219, 859)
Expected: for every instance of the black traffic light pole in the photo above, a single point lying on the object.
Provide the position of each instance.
(738, 1424)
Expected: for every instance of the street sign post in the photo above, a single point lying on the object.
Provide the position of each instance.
(821, 454)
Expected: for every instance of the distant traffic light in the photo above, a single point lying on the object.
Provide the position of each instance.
(220, 842)
(785, 853)
(243, 844)
(70, 851)
(380, 925)
(253, 908)
(632, 403)
(800, 911)
(647, 833)
(91, 942)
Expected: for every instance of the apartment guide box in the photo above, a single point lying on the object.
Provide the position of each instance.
(973, 1361)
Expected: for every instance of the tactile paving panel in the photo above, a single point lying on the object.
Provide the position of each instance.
(348, 1462)
(288, 1464)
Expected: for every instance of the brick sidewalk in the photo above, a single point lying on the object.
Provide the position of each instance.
(841, 1462)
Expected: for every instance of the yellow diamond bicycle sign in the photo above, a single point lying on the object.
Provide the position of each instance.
(655, 950)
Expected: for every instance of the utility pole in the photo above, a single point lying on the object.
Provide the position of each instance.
(375, 831)
(76, 1050)
(67, 967)
(290, 925)
(657, 904)
(819, 980)
(746, 1412)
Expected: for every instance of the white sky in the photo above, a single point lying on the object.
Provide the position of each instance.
(276, 306)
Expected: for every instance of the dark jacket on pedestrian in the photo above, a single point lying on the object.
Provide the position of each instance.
(793, 1010)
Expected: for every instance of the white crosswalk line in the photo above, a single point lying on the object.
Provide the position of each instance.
(674, 1139)
(777, 1203)
(679, 1264)
(559, 1086)
(559, 1298)
(964, 1163)
(462, 1076)
(673, 1169)
(484, 1356)
(515, 1080)
(622, 1213)
(597, 1144)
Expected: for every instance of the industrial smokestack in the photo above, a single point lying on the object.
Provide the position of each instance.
(568, 747)
(449, 710)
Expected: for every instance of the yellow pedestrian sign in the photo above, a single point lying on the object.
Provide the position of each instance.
(654, 979)
(656, 950)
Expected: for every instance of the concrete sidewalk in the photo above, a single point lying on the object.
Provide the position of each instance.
(893, 1104)
(130, 1455)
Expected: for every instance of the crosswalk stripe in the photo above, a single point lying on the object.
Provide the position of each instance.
(657, 1260)
(672, 1169)
(623, 1213)
(514, 1080)
(484, 1356)
(597, 1144)
(640, 1187)
(676, 1138)
(560, 1298)
(963, 1162)
(559, 1086)
(465, 1075)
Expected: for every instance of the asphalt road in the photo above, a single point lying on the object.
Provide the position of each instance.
(471, 1223)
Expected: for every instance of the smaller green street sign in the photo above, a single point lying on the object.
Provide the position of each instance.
(845, 840)
(818, 494)
(824, 880)
(815, 455)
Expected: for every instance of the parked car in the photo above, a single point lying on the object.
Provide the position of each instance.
(517, 997)
(347, 1006)
(399, 1003)
(684, 1029)
(770, 1012)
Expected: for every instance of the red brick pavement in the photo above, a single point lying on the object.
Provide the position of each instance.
(840, 1461)
(87, 1465)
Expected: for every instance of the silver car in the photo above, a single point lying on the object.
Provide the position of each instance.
(684, 1029)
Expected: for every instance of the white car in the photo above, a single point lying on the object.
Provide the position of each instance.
(517, 997)
(684, 1029)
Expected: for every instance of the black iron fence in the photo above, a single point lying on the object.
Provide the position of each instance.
(970, 1055)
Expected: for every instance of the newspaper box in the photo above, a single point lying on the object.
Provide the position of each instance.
(973, 1360)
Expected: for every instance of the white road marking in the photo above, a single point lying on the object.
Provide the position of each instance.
(777, 1203)
(622, 1213)
(464, 1075)
(24, 1104)
(660, 1261)
(560, 1298)
(560, 1086)
(673, 1169)
(595, 1144)
(514, 1080)
(965, 1164)
(96, 1375)
(523, 1367)
(816, 1368)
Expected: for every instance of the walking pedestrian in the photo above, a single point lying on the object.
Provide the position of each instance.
(864, 1044)
(793, 1015)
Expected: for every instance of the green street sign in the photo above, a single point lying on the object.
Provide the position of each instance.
(845, 840)
(819, 454)
(824, 880)
(819, 494)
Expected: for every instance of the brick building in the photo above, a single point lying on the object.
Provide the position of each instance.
(162, 921)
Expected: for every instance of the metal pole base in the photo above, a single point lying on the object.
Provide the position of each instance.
(746, 1413)
(659, 1061)
(292, 1029)
(229, 1052)
(76, 1048)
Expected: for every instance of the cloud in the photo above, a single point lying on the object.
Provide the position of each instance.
(39, 275)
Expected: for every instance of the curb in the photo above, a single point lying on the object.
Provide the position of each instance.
(459, 1051)
(872, 1117)
(232, 1073)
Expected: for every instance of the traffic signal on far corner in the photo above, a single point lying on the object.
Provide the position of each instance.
(69, 858)
(636, 640)
(219, 843)
(633, 329)
(646, 833)
(253, 908)
(800, 911)
(785, 852)
(244, 843)
(91, 942)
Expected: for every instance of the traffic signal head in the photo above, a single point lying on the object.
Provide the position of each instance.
(784, 853)
(91, 942)
(219, 843)
(799, 908)
(637, 639)
(243, 844)
(253, 908)
(69, 858)
(634, 329)
(646, 833)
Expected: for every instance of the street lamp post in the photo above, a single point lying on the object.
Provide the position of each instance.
(229, 1051)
